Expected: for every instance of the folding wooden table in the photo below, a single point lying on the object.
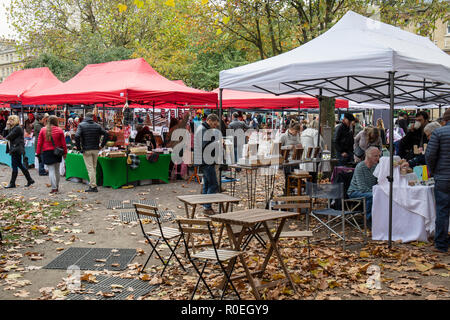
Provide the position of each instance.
(248, 219)
(223, 200)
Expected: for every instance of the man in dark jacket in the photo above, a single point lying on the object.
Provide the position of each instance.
(343, 140)
(438, 161)
(414, 137)
(37, 126)
(235, 125)
(87, 140)
(207, 158)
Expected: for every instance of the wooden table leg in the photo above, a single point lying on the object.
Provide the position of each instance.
(274, 247)
(225, 210)
(190, 216)
(236, 244)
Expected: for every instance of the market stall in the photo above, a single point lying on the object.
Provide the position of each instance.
(112, 172)
(12, 90)
(122, 84)
(414, 205)
(373, 63)
(6, 158)
(244, 99)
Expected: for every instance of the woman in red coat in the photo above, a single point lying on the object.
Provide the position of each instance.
(50, 138)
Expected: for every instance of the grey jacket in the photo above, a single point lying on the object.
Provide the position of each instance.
(437, 155)
(236, 124)
(201, 142)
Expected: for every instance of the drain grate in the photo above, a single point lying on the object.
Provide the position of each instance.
(166, 216)
(86, 259)
(121, 204)
(135, 287)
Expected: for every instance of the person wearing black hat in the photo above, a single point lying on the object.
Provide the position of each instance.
(343, 140)
(437, 157)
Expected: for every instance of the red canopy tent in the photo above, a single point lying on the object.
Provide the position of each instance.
(28, 81)
(118, 82)
(242, 99)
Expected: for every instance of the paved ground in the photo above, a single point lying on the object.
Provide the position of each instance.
(410, 271)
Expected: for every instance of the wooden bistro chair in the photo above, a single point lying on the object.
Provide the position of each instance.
(297, 203)
(160, 234)
(194, 176)
(336, 218)
(213, 254)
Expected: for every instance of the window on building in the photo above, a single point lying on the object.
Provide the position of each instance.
(448, 27)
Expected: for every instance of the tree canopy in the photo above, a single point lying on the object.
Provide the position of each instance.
(192, 40)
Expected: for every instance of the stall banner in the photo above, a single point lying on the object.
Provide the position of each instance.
(172, 113)
(163, 113)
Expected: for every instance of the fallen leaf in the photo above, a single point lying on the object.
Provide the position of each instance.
(22, 294)
(155, 280)
(364, 254)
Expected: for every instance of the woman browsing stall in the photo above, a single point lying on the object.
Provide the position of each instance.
(52, 146)
(16, 148)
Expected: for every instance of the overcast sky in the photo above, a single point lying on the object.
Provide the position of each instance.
(5, 29)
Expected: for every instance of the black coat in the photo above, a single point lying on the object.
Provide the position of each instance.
(16, 145)
(88, 135)
(412, 137)
(343, 139)
(438, 153)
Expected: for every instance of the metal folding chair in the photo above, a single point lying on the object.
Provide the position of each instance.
(336, 218)
(213, 254)
(160, 234)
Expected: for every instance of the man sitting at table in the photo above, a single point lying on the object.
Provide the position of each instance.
(363, 179)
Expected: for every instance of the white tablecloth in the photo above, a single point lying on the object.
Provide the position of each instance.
(413, 208)
(407, 225)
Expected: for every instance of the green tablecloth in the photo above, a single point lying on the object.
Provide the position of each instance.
(75, 168)
(113, 170)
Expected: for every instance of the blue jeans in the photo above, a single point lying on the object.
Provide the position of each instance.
(16, 163)
(342, 161)
(369, 199)
(442, 197)
(41, 165)
(210, 184)
(397, 147)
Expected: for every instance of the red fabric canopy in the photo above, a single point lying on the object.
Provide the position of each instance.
(27, 81)
(241, 99)
(117, 81)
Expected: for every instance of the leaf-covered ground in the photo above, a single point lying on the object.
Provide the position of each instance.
(37, 227)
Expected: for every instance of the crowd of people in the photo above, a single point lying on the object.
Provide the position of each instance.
(420, 142)
(50, 143)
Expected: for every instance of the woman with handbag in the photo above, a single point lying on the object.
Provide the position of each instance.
(16, 148)
(52, 146)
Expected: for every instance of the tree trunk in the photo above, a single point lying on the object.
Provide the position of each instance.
(327, 121)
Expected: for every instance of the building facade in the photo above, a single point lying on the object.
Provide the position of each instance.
(10, 59)
(440, 36)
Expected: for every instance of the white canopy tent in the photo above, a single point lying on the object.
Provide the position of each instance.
(358, 59)
(355, 105)
(352, 60)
